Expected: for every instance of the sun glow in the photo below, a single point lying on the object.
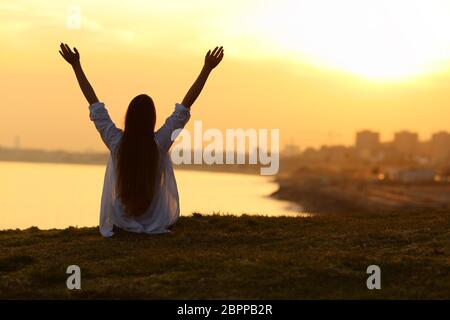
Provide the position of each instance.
(378, 40)
(325, 64)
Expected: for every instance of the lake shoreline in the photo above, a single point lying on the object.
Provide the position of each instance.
(227, 257)
(359, 196)
(315, 200)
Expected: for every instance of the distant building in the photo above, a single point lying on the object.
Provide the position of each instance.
(335, 154)
(367, 140)
(367, 143)
(440, 147)
(406, 142)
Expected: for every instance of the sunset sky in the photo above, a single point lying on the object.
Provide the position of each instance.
(318, 70)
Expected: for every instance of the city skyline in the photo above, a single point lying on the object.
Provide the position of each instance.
(400, 137)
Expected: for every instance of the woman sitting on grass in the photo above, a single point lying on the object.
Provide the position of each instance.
(139, 192)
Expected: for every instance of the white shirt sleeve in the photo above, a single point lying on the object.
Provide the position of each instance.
(177, 120)
(109, 133)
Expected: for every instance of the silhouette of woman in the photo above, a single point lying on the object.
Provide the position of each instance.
(139, 191)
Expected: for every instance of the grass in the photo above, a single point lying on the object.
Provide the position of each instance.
(226, 257)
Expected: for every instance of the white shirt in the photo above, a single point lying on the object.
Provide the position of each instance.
(164, 209)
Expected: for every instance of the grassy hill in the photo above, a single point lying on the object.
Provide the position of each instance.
(224, 257)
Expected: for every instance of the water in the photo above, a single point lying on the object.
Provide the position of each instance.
(61, 195)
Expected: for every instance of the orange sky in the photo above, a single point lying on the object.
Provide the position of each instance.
(307, 67)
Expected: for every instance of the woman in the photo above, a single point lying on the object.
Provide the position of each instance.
(139, 191)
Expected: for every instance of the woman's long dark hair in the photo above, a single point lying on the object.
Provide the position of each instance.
(138, 157)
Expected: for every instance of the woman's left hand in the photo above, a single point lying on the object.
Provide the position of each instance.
(72, 57)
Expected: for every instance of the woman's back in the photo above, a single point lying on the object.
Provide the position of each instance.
(164, 209)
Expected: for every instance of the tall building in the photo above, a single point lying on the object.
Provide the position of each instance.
(406, 142)
(367, 140)
(367, 143)
(440, 147)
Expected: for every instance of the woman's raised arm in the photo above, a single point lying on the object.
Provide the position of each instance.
(73, 58)
(212, 59)
(97, 112)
